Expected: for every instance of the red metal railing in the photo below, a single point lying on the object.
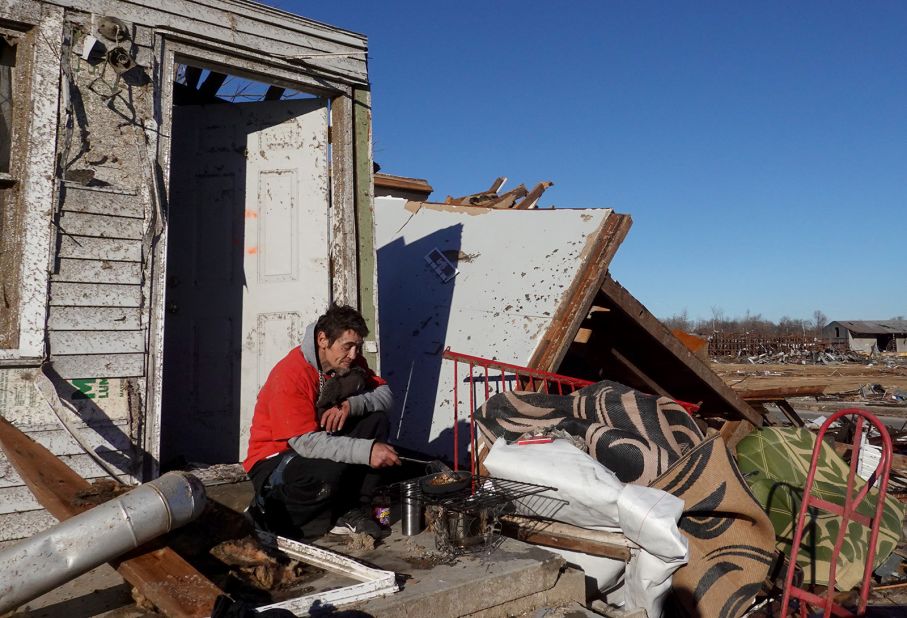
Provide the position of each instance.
(519, 378)
(847, 513)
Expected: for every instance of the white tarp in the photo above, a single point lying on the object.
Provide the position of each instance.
(591, 496)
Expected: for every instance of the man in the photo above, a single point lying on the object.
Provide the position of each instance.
(309, 468)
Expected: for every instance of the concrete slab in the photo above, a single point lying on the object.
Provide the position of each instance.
(512, 579)
(101, 592)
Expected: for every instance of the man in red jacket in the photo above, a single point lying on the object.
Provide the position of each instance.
(313, 462)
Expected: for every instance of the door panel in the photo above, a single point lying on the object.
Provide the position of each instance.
(247, 263)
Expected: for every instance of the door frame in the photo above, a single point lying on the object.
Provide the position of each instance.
(171, 49)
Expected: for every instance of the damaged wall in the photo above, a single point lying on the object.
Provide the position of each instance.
(516, 268)
(93, 207)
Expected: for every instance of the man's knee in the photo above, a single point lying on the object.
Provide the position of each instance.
(374, 426)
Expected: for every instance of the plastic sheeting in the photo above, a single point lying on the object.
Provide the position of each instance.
(590, 496)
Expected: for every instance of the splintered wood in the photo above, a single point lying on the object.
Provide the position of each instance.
(517, 199)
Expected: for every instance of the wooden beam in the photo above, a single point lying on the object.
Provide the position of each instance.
(564, 536)
(781, 392)
(344, 273)
(367, 267)
(160, 574)
(574, 309)
(639, 374)
(497, 184)
(534, 196)
(790, 413)
(416, 185)
(676, 360)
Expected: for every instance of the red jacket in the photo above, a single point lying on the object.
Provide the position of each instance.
(286, 406)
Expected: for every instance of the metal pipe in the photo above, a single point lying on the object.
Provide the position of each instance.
(38, 564)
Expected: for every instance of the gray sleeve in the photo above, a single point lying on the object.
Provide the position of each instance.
(380, 399)
(322, 445)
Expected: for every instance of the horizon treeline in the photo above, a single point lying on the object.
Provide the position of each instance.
(750, 323)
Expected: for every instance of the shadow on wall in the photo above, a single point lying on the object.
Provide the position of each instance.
(414, 313)
(125, 455)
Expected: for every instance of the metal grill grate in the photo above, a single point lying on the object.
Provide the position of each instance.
(484, 492)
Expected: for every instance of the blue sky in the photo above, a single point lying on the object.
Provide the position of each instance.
(760, 147)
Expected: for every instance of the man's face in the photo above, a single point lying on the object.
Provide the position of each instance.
(338, 356)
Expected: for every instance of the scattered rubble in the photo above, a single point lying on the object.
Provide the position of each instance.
(262, 567)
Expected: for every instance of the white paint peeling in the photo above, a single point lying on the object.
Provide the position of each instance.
(38, 186)
(515, 269)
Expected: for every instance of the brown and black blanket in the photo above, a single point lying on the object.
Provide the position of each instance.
(649, 440)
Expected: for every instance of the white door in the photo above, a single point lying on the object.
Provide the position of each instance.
(247, 265)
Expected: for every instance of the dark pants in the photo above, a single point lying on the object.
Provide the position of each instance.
(302, 497)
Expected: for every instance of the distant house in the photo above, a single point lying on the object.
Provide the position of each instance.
(860, 336)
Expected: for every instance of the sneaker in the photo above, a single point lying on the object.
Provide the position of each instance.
(256, 517)
(357, 521)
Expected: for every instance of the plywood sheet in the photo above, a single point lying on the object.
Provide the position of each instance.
(515, 268)
(97, 401)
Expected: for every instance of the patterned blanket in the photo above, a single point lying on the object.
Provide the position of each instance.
(653, 441)
(776, 461)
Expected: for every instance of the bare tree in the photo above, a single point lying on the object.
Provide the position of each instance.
(820, 320)
(717, 317)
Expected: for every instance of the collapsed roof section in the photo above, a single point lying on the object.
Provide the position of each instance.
(526, 286)
(479, 280)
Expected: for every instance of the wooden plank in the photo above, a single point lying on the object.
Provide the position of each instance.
(790, 413)
(99, 366)
(174, 587)
(94, 318)
(781, 392)
(532, 199)
(574, 309)
(642, 338)
(160, 575)
(320, 49)
(564, 536)
(96, 342)
(53, 483)
(365, 222)
(101, 226)
(77, 198)
(90, 248)
(654, 387)
(95, 295)
(344, 275)
(497, 184)
(98, 271)
(733, 432)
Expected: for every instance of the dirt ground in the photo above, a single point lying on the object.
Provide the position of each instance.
(839, 379)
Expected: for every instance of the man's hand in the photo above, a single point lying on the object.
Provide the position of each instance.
(334, 418)
(383, 455)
